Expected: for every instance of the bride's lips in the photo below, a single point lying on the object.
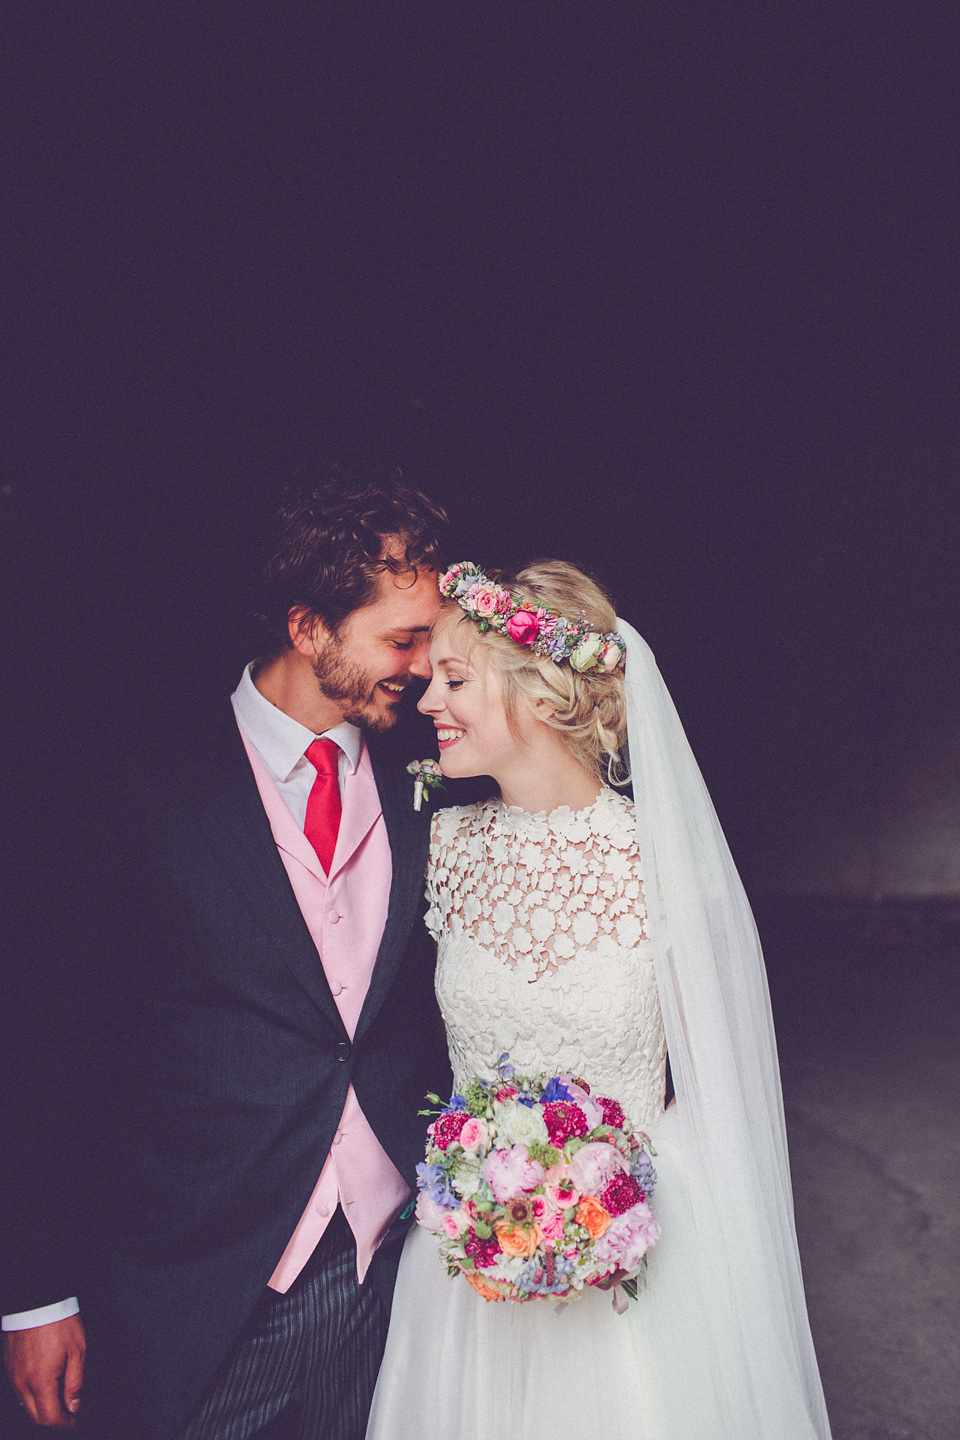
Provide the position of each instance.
(447, 736)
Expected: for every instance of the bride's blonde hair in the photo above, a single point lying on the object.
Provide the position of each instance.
(589, 709)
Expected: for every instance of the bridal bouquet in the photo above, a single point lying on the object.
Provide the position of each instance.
(533, 1187)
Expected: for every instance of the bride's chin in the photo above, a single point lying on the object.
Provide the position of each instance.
(453, 771)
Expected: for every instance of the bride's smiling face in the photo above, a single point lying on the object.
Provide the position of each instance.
(465, 702)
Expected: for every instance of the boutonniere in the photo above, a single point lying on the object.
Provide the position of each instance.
(426, 777)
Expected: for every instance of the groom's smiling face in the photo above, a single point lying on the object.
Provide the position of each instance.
(364, 665)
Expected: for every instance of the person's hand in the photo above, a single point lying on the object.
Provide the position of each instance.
(45, 1366)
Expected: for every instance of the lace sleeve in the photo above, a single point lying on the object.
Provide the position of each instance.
(447, 828)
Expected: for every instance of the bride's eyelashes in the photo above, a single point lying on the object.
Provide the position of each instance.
(453, 684)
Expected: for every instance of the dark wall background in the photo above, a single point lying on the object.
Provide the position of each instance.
(668, 290)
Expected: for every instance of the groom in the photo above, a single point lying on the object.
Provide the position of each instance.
(272, 1024)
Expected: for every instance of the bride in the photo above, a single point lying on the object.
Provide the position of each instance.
(584, 933)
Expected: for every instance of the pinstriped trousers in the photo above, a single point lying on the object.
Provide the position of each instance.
(305, 1364)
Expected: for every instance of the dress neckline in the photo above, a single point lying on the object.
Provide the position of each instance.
(517, 818)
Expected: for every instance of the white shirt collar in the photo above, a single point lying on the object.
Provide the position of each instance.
(279, 739)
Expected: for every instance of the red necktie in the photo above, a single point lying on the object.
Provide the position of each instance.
(323, 805)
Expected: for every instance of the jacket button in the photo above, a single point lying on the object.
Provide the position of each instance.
(342, 1051)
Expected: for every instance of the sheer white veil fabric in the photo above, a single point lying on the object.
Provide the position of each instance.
(727, 1316)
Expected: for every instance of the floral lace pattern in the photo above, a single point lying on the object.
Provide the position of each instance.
(538, 888)
(543, 950)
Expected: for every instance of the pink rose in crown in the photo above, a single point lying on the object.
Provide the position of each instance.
(483, 599)
(507, 1172)
(523, 627)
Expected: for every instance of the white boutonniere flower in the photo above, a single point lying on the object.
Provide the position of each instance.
(426, 775)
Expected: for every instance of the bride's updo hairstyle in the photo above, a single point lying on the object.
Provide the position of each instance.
(589, 709)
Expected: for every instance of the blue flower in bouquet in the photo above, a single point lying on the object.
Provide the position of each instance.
(457, 1102)
(643, 1172)
(504, 1068)
(435, 1182)
(534, 1279)
(555, 1090)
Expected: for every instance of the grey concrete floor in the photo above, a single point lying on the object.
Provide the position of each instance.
(868, 1033)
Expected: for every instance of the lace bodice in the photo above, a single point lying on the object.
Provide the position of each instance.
(543, 950)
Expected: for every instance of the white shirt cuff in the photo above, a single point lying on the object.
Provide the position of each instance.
(45, 1315)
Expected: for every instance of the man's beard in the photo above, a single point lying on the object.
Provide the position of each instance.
(351, 689)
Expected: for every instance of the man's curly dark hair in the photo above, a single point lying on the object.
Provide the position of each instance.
(329, 550)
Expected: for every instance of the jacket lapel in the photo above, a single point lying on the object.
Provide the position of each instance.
(230, 812)
(361, 810)
(409, 836)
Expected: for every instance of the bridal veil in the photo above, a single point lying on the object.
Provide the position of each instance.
(726, 1307)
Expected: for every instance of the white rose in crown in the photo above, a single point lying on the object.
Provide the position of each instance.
(585, 655)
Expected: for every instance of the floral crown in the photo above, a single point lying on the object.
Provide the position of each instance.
(540, 630)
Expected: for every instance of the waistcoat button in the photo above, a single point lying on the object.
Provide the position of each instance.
(342, 1051)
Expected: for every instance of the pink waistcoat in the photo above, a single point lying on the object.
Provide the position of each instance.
(345, 915)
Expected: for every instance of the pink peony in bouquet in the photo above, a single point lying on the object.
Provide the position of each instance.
(534, 1188)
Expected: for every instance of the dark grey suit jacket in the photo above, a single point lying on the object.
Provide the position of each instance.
(221, 1065)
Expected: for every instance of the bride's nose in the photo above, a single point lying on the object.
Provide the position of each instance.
(431, 700)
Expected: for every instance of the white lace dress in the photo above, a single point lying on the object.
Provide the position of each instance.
(543, 953)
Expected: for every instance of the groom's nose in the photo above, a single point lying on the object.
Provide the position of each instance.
(420, 658)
